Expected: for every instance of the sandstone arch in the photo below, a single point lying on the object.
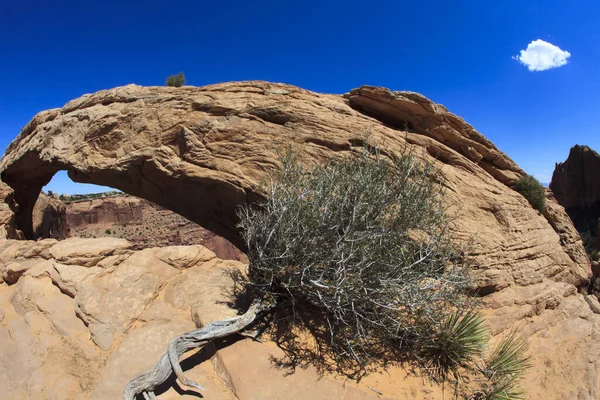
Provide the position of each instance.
(209, 202)
(202, 151)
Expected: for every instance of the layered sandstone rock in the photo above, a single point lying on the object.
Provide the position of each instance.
(8, 227)
(50, 218)
(81, 317)
(143, 224)
(203, 151)
(576, 185)
(70, 309)
(105, 211)
(575, 181)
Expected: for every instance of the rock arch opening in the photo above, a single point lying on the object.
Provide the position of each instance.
(148, 142)
(208, 202)
(65, 208)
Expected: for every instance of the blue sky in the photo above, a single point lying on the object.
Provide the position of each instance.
(457, 53)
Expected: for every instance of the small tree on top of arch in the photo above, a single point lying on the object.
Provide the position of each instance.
(176, 80)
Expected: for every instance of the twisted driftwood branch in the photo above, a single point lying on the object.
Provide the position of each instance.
(169, 362)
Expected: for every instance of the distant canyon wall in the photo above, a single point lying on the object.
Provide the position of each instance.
(143, 223)
(108, 210)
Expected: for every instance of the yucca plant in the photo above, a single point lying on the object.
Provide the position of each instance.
(509, 356)
(503, 370)
(455, 346)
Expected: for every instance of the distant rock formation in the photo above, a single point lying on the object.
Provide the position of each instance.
(102, 211)
(204, 151)
(143, 224)
(576, 186)
(50, 218)
(576, 181)
(8, 227)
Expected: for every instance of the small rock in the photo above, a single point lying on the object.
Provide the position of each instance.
(87, 252)
(102, 334)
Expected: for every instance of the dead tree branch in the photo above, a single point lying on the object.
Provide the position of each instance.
(147, 382)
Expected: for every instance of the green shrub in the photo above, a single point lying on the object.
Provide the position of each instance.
(358, 252)
(532, 190)
(176, 80)
(107, 232)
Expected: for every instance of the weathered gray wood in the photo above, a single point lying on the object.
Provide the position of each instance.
(169, 362)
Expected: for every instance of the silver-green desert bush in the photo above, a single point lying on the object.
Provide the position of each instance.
(359, 252)
(353, 266)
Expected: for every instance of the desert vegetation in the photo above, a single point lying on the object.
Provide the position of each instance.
(87, 196)
(532, 190)
(177, 80)
(358, 255)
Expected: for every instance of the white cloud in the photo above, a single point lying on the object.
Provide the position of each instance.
(541, 55)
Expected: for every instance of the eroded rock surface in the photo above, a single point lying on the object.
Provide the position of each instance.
(48, 217)
(203, 151)
(67, 326)
(8, 225)
(82, 331)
